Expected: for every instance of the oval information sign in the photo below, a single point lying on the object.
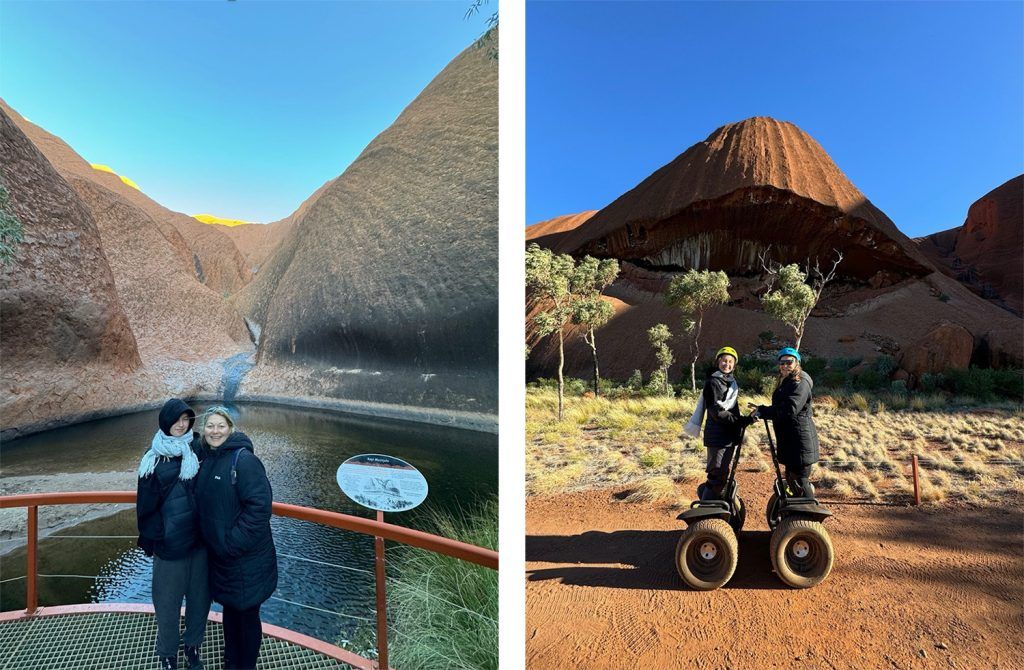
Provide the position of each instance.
(383, 483)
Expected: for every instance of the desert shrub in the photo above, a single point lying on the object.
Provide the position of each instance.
(898, 386)
(656, 384)
(446, 610)
(768, 385)
(858, 402)
(653, 489)
(869, 380)
(843, 364)
(635, 381)
(833, 379)
(884, 365)
(574, 386)
(654, 458)
(814, 366)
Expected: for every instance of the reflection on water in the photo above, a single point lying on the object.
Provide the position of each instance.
(302, 450)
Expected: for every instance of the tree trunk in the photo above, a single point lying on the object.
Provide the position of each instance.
(665, 371)
(593, 348)
(561, 381)
(799, 336)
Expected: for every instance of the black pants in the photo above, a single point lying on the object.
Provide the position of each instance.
(243, 635)
(719, 460)
(799, 478)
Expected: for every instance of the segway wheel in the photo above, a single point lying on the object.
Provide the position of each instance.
(739, 516)
(801, 552)
(772, 511)
(706, 555)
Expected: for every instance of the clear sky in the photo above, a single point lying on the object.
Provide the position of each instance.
(920, 104)
(238, 109)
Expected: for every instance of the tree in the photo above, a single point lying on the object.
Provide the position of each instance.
(489, 38)
(11, 232)
(789, 298)
(659, 336)
(693, 293)
(590, 278)
(550, 277)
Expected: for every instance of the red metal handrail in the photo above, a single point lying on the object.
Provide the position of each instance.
(377, 528)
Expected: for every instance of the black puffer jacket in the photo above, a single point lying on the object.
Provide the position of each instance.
(793, 419)
(235, 519)
(721, 426)
(165, 508)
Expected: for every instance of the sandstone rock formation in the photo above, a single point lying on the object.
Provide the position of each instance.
(948, 345)
(986, 253)
(548, 233)
(386, 286)
(173, 316)
(59, 302)
(748, 187)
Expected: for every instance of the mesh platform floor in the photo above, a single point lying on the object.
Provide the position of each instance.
(125, 641)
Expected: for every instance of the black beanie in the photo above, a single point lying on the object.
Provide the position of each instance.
(174, 408)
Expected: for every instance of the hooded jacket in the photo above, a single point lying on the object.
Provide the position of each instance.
(793, 418)
(721, 426)
(235, 522)
(165, 507)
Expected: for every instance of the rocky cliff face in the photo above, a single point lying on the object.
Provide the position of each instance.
(986, 253)
(548, 233)
(748, 187)
(386, 286)
(173, 315)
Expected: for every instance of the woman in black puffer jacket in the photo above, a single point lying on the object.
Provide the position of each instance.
(169, 532)
(235, 498)
(723, 423)
(793, 418)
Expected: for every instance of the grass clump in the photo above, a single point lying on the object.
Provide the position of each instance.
(652, 490)
(444, 610)
(654, 458)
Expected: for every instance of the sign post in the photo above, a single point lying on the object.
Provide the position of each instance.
(382, 483)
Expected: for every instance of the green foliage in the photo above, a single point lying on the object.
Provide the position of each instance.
(659, 336)
(985, 383)
(870, 380)
(654, 458)
(813, 365)
(791, 299)
(549, 274)
(768, 385)
(11, 231)
(446, 610)
(884, 365)
(694, 292)
(658, 383)
(635, 381)
(898, 387)
(943, 297)
(766, 336)
(489, 38)
(929, 382)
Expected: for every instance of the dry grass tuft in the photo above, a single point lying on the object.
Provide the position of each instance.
(652, 490)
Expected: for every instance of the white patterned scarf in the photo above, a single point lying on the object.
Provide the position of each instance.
(168, 447)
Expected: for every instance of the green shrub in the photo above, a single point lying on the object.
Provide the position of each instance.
(869, 380)
(768, 385)
(884, 365)
(654, 458)
(446, 610)
(635, 381)
(843, 364)
(930, 382)
(814, 366)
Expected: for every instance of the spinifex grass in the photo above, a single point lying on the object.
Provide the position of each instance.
(967, 450)
(445, 611)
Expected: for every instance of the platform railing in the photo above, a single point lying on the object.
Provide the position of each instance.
(377, 528)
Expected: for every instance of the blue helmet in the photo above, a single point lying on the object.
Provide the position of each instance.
(788, 351)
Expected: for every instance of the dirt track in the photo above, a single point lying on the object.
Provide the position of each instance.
(932, 587)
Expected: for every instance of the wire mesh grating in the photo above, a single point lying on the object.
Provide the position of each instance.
(119, 641)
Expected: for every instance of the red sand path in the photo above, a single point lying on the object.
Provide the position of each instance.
(933, 587)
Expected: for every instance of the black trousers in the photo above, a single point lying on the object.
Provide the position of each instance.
(800, 476)
(243, 635)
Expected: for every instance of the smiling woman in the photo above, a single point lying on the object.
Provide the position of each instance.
(234, 498)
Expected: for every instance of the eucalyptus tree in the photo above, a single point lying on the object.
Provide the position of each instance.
(659, 336)
(789, 297)
(589, 280)
(694, 293)
(549, 276)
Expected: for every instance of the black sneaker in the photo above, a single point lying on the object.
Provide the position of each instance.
(192, 658)
(168, 663)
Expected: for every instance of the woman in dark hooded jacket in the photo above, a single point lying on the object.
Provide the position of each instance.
(793, 419)
(169, 532)
(235, 497)
(723, 423)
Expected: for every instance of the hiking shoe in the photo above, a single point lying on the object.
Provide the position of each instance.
(168, 663)
(192, 658)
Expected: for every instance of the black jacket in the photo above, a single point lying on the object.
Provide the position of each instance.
(721, 426)
(792, 416)
(165, 508)
(165, 511)
(235, 520)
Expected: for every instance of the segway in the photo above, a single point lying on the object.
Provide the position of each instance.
(800, 548)
(707, 552)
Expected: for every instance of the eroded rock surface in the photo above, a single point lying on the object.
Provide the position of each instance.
(986, 253)
(386, 286)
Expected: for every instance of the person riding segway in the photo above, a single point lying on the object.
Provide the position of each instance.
(801, 550)
(706, 554)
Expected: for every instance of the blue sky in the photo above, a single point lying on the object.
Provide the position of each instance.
(919, 104)
(238, 109)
